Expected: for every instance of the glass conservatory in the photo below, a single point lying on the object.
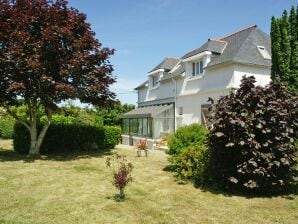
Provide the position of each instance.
(150, 122)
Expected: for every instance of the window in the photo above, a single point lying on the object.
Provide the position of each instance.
(197, 68)
(264, 52)
(125, 126)
(180, 110)
(154, 81)
(145, 127)
(141, 127)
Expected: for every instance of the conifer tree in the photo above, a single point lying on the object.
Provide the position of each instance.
(275, 48)
(284, 48)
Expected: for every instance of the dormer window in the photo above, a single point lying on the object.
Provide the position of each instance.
(264, 52)
(154, 81)
(197, 68)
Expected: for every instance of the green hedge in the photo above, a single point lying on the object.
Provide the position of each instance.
(6, 127)
(67, 138)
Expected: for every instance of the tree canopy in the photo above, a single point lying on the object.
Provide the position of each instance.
(48, 54)
(284, 46)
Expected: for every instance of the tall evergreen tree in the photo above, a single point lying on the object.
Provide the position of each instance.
(275, 48)
(284, 47)
(293, 32)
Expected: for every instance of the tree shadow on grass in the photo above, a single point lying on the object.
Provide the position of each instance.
(289, 194)
(10, 155)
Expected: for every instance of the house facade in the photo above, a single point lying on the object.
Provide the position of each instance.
(177, 90)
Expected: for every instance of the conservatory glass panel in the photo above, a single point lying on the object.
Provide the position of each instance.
(164, 123)
(145, 127)
(125, 126)
(140, 126)
(134, 126)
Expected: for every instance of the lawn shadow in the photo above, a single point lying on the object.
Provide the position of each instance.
(11, 155)
(288, 194)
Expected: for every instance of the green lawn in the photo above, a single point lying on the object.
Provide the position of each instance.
(78, 189)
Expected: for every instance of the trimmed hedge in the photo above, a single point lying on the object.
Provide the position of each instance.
(68, 138)
(6, 127)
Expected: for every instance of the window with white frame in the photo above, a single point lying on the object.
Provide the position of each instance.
(264, 52)
(154, 81)
(197, 68)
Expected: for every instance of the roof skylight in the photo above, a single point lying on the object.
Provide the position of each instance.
(264, 52)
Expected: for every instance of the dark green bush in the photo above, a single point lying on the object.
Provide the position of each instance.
(252, 138)
(6, 127)
(67, 138)
(192, 163)
(112, 136)
(185, 136)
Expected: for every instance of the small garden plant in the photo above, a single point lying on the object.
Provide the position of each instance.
(142, 146)
(122, 170)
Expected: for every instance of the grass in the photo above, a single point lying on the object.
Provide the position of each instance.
(78, 189)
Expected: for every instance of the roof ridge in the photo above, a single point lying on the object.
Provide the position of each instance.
(218, 40)
(172, 58)
(252, 26)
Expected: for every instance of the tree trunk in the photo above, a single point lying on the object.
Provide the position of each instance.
(36, 140)
(33, 137)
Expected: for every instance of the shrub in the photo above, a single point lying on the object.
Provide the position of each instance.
(252, 138)
(121, 172)
(112, 136)
(185, 136)
(67, 138)
(192, 163)
(6, 127)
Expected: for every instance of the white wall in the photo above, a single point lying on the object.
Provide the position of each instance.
(192, 92)
(142, 94)
(262, 74)
(192, 105)
(212, 79)
(166, 89)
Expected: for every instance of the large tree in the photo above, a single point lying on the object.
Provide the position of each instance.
(284, 45)
(48, 54)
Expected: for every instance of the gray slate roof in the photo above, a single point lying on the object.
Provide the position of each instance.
(149, 111)
(215, 46)
(242, 48)
(167, 64)
(175, 73)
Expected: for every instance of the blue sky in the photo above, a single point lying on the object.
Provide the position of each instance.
(144, 32)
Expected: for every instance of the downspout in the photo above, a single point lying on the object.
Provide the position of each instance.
(175, 104)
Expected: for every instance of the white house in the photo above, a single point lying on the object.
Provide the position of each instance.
(177, 90)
